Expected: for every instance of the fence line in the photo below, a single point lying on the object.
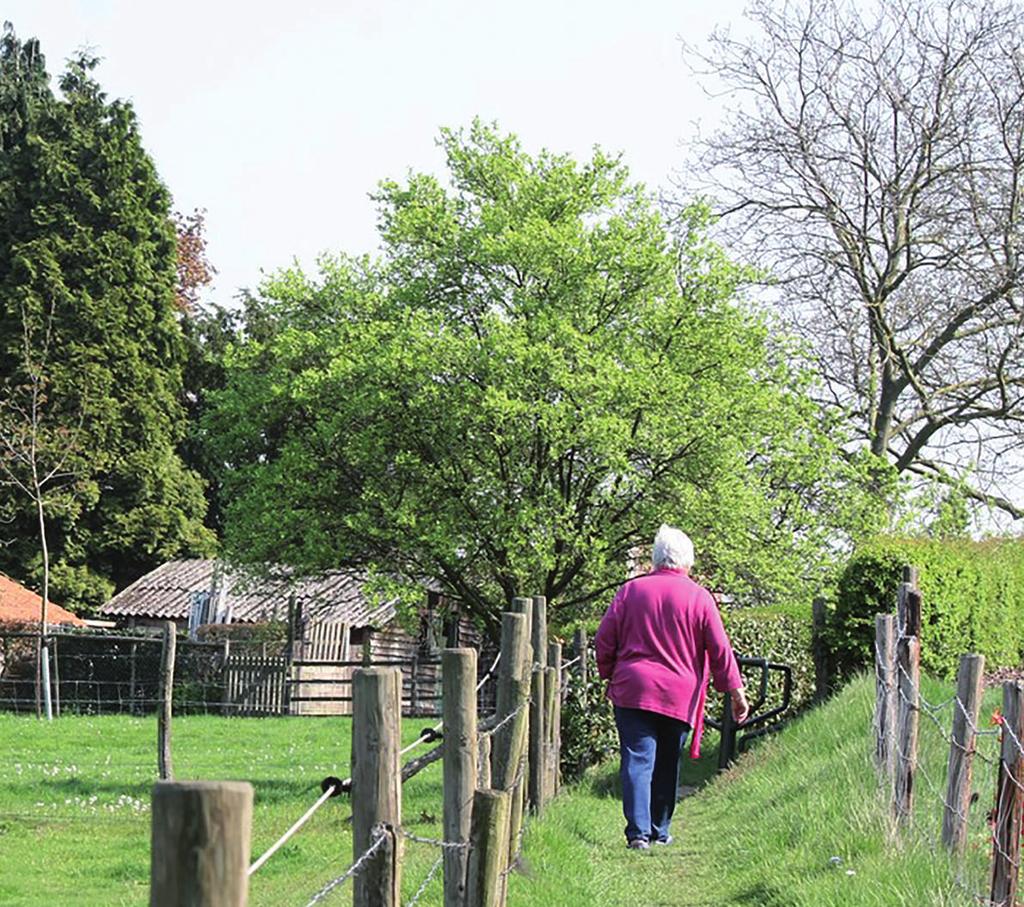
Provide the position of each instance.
(898, 691)
(480, 845)
(98, 672)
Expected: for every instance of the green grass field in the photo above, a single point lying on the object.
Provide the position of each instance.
(74, 818)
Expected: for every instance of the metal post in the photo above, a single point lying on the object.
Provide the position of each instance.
(47, 697)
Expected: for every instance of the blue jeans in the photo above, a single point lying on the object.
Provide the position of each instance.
(649, 747)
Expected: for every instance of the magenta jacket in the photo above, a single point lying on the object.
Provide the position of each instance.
(657, 640)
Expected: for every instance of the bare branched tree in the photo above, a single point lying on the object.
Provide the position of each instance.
(872, 163)
(37, 449)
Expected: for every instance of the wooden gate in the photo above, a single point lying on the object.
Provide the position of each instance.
(255, 684)
(325, 641)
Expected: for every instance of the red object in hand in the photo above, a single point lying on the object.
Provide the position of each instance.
(997, 717)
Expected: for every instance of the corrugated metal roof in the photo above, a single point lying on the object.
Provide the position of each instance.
(166, 593)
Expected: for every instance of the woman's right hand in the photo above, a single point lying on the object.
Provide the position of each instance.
(740, 706)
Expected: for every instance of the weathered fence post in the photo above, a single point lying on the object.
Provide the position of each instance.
(518, 779)
(199, 853)
(414, 684)
(549, 745)
(509, 748)
(1006, 833)
(488, 854)
(133, 708)
(961, 751)
(483, 762)
(513, 690)
(908, 666)
(458, 686)
(907, 624)
(818, 614)
(538, 735)
(886, 696)
(165, 767)
(537, 756)
(377, 784)
(555, 718)
(579, 647)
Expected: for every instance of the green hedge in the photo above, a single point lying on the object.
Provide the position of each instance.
(781, 634)
(973, 601)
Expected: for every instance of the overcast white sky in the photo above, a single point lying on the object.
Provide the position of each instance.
(279, 119)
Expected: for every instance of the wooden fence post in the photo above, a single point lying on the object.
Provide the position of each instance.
(414, 683)
(818, 613)
(538, 735)
(908, 666)
(133, 708)
(483, 762)
(513, 690)
(537, 756)
(165, 767)
(488, 854)
(458, 685)
(885, 694)
(555, 722)
(1009, 800)
(377, 784)
(579, 648)
(549, 748)
(961, 751)
(200, 844)
(539, 630)
(909, 624)
(510, 746)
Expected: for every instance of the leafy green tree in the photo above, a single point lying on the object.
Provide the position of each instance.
(87, 259)
(533, 377)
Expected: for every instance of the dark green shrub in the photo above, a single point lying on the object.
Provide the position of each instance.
(973, 601)
(588, 723)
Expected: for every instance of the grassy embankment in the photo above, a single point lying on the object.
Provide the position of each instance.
(74, 820)
(769, 832)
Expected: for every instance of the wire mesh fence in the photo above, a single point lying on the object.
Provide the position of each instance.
(101, 672)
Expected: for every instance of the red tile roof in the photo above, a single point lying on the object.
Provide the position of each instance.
(21, 605)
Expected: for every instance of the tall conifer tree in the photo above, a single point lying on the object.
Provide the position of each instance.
(88, 258)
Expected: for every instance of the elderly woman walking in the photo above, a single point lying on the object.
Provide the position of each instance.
(656, 644)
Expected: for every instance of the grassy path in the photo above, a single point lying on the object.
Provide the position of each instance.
(577, 854)
(799, 822)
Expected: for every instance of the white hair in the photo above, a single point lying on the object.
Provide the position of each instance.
(672, 548)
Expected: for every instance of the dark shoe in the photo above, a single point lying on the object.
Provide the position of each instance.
(638, 844)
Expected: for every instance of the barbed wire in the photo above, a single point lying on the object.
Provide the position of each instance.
(356, 867)
(426, 882)
(916, 701)
(493, 730)
(435, 842)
